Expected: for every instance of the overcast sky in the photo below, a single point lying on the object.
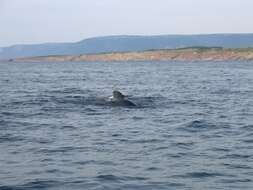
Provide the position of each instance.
(39, 21)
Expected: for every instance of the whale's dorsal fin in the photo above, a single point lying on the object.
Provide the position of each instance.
(119, 99)
(117, 95)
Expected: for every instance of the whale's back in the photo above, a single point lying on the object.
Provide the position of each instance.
(124, 103)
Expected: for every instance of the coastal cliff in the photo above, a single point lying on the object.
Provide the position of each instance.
(184, 54)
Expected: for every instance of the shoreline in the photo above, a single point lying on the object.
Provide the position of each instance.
(183, 54)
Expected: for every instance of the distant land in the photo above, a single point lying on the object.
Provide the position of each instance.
(182, 54)
(129, 46)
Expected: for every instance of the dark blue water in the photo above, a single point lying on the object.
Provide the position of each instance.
(192, 128)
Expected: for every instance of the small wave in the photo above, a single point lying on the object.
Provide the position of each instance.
(184, 145)
(248, 141)
(153, 169)
(70, 100)
(199, 175)
(238, 156)
(116, 135)
(6, 113)
(10, 188)
(68, 91)
(247, 128)
(198, 125)
(94, 162)
(68, 127)
(10, 138)
(37, 184)
(61, 150)
(118, 178)
(141, 141)
(229, 92)
(108, 178)
(138, 118)
(238, 166)
(233, 181)
(220, 149)
(2, 122)
(20, 114)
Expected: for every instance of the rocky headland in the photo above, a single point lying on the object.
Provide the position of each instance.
(183, 54)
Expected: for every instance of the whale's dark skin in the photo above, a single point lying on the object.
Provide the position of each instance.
(118, 99)
(124, 103)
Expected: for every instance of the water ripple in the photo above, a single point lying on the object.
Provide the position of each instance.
(192, 128)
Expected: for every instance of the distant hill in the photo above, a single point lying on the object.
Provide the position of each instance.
(128, 44)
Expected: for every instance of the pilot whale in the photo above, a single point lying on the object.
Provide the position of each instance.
(118, 99)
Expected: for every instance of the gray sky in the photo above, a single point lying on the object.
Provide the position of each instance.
(39, 21)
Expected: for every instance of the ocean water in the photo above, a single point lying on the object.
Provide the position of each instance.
(192, 127)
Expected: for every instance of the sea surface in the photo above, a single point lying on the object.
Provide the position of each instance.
(192, 127)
